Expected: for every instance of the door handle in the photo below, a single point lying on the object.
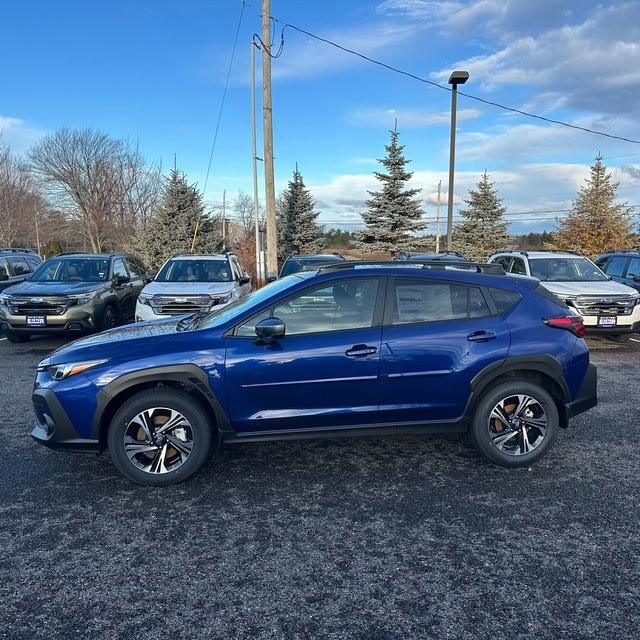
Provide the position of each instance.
(361, 350)
(481, 336)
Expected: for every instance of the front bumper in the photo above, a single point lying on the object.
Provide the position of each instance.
(54, 428)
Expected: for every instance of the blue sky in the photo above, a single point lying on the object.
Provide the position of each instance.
(174, 78)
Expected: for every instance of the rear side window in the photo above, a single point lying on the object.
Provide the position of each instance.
(416, 301)
(616, 266)
(19, 265)
(506, 300)
(634, 268)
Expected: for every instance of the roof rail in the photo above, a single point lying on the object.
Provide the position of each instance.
(478, 267)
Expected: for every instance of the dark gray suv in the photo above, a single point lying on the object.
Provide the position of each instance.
(622, 265)
(17, 265)
(73, 293)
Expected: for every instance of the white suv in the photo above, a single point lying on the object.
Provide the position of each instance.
(189, 283)
(607, 307)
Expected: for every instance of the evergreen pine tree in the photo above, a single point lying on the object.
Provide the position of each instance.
(394, 214)
(171, 229)
(297, 228)
(483, 229)
(596, 222)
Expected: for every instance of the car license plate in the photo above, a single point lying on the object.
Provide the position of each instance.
(36, 321)
(607, 321)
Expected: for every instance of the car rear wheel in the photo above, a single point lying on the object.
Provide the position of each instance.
(18, 337)
(515, 423)
(159, 437)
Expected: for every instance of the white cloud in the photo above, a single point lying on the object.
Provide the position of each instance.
(17, 135)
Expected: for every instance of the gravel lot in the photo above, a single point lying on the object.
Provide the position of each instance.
(364, 538)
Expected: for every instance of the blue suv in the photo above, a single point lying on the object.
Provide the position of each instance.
(354, 348)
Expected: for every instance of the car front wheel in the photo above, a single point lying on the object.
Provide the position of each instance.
(515, 423)
(159, 437)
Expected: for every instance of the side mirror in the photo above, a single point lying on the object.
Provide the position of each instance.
(122, 279)
(244, 280)
(3, 277)
(271, 279)
(270, 329)
(636, 278)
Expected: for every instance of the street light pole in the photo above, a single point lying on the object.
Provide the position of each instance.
(456, 78)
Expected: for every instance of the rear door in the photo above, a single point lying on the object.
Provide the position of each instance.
(437, 336)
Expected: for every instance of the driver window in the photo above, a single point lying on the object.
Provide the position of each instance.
(346, 304)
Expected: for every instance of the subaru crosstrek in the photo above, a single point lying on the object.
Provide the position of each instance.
(355, 348)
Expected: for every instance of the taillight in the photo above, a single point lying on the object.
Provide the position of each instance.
(570, 323)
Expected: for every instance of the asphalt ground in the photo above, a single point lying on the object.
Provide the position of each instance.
(366, 538)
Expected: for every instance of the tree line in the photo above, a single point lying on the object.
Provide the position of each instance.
(83, 190)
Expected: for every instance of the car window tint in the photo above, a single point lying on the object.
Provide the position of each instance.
(503, 260)
(518, 267)
(634, 268)
(419, 301)
(616, 266)
(134, 268)
(4, 267)
(119, 270)
(19, 265)
(505, 300)
(347, 304)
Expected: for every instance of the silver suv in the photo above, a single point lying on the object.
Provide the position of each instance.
(607, 307)
(188, 283)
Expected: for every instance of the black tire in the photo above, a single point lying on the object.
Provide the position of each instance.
(108, 318)
(159, 437)
(514, 423)
(619, 337)
(18, 337)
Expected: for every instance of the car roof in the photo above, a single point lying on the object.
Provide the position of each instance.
(539, 253)
(201, 256)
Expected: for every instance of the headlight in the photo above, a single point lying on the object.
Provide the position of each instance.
(67, 369)
(144, 298)
(223, 298)
(4, 299)
(83, 298)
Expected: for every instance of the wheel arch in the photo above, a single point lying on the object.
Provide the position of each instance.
(545, 371)
(187, 378)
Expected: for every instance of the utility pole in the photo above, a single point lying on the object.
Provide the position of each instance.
(438, 218)
(259, 252)
(269, 188)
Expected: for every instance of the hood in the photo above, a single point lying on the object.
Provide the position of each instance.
(31, 288)
(100, 342)
(601, 288)
(188, 288)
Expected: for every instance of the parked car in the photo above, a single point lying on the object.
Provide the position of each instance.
(297, 262)
(608, 308)
(622, 266)
(188, 283)
(451, 256)
(354, 348)
(17, 265)
(73, 293)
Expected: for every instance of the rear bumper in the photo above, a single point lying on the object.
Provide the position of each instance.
(587, 397)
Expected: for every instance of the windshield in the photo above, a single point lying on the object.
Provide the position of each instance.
(250, 301)
(566, 270)
(72, 270)
(195, 271)
(293, 265)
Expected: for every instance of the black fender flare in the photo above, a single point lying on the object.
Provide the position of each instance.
(188, 375)
(544, 364)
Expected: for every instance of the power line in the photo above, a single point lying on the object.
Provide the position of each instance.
(224, 94)
(439, 86)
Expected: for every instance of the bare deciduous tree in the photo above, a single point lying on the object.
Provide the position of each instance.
(102, 184)
(19, 202)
